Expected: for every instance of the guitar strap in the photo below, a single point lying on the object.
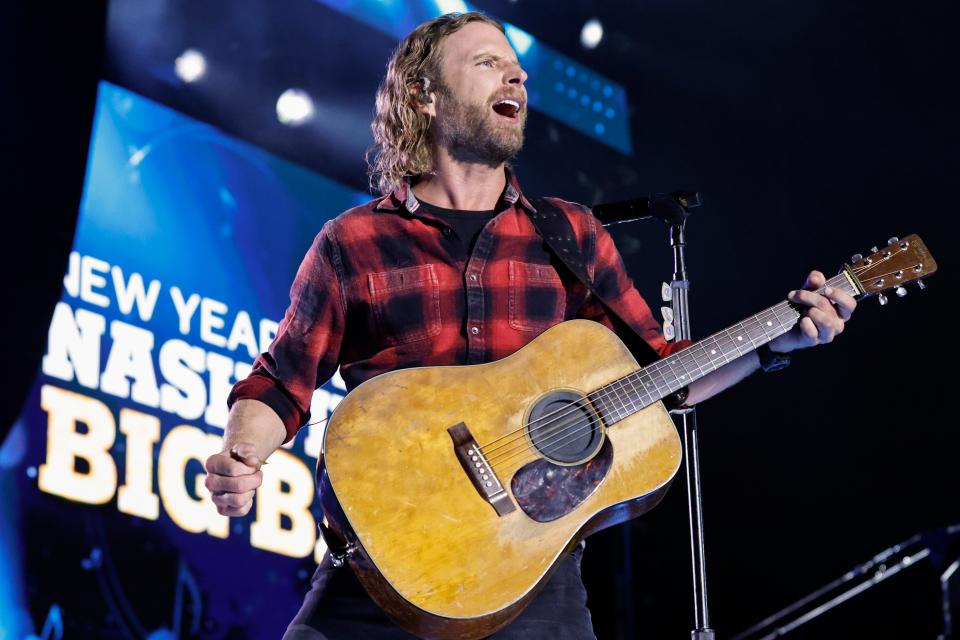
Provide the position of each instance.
(557, 232)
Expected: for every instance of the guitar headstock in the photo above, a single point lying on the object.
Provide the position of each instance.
(898, 263)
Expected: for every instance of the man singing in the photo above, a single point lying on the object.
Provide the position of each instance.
(446, 268)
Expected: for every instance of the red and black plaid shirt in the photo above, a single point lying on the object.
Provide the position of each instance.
(387, 285)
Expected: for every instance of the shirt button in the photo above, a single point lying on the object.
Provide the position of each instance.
(474, 330)
(446, 231)
(473, 277)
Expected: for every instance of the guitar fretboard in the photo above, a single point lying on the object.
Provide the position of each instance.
(637, 390)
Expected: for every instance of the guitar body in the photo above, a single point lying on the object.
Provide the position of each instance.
(437, 554)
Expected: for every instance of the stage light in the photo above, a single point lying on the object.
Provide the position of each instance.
(294, 107)
(520, 39)
(190, 65)
(452, 6)
(592, 34)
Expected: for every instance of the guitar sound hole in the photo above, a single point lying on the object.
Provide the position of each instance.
(564, 428)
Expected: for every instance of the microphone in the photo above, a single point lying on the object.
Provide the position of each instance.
(670, 208)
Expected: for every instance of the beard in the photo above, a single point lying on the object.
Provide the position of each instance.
(472, 133)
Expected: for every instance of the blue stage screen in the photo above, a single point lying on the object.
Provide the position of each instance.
(186, 245)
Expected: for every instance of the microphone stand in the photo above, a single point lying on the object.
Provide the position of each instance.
(937, 546)
(674, 209)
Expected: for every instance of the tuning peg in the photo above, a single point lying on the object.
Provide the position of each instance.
(921, 284)
(667, 313)
(893, 240)
(901, 292)
(882, 299)
(857, 257)
(666, 292)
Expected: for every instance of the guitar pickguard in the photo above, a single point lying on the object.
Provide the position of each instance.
(546, 491)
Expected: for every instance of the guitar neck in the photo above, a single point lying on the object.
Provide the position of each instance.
(639, 389)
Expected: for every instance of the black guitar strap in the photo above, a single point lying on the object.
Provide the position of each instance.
(557, 232)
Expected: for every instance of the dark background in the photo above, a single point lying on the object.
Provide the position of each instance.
(813, 130)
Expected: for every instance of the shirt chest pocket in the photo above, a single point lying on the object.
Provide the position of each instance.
(538, 298)
(406, 303)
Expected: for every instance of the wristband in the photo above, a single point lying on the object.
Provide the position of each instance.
(771, 361)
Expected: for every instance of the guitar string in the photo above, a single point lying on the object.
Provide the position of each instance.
(880, 261)
(507, 471)
(565, 435)
(575, 407)
(654, 367)
(835, 281)
(574, 431)
(658, 364)
(562, 433)
(645, 376)
(558, 427)
(889, 273)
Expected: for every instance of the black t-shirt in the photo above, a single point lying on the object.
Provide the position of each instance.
(466, 224)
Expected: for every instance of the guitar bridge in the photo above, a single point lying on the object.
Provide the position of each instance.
(478, 469)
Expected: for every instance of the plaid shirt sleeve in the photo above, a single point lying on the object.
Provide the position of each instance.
(611, 280)
(306, 351)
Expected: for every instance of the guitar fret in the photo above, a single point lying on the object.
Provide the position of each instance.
(751, 334)
(629, 395)
(639, 389)
(658, 380)
(711, 362)
(652, 371)
(673, 366)
(613, 401)
(718, 350)
(683, 364)
(643, 387)
(739, 338)
(633, 388)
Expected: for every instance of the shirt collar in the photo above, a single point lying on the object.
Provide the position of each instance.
(403, 197)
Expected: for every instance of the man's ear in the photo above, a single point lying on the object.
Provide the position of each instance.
(423, 96)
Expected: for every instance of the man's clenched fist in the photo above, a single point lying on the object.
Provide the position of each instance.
(232, 478)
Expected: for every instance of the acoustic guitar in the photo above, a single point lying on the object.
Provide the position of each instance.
(453, 491)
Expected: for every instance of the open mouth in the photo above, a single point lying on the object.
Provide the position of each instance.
(508, 108)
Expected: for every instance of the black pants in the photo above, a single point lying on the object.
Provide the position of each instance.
(337, 608)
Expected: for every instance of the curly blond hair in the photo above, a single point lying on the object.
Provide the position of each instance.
(401, 147)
